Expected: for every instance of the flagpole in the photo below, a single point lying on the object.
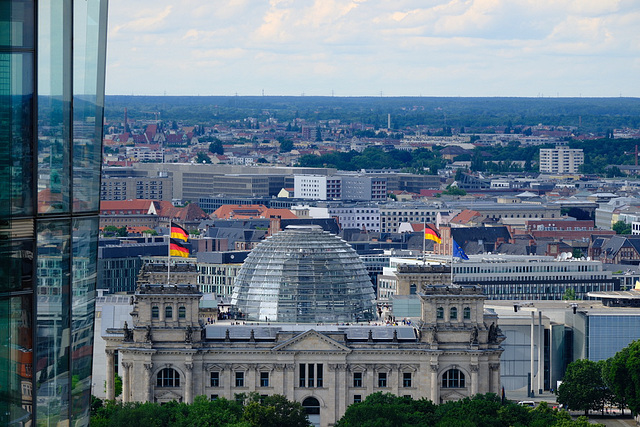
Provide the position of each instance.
(424, 241)
(451, 238)
(169, 255)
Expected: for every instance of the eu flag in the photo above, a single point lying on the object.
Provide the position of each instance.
(458, 252)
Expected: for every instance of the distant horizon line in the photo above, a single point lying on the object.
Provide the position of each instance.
(378, 96)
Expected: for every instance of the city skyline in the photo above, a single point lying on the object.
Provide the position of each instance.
(374, 48)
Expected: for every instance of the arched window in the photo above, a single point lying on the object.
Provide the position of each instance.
(466, 313)
(155, 312)
(453, 313)
(412, 289)
(312, 408)
(168, 312)
(440, 313)
(168, 377)
(453, 378)
(182, 312)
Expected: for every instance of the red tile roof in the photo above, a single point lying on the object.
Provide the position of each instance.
(251, 212)
(465, 217)
(123, 207)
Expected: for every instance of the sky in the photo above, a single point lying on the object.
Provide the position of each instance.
(531, 48)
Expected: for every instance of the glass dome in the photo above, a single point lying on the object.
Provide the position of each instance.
(304, 274)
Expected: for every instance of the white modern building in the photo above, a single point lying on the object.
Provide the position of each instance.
(394, 214)
(514, 277)
(360, 216)
(561, 160)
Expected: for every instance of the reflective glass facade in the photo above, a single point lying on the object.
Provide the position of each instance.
(608, 334)
(52, 56)
(304, 274)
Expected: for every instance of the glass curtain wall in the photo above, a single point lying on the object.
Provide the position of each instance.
(52, 57)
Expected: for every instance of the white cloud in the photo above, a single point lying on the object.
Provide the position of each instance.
(360, 47)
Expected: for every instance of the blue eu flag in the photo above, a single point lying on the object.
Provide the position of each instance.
(458, 252)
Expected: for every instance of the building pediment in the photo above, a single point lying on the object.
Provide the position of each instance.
(311, 340)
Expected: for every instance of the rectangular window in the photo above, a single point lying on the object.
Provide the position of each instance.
(357, 379)
(239, 379)
(303, 370)
(382, 379)
(215, 379)
(311, 374)
(357, 398)
(214, 396)
(406, 379)
(264, 379)
(318, 374)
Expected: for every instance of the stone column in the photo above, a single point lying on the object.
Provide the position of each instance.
(229, 381)
(494, 380)
(369, 380)
(148, 368)
(435, 388)
(251, 376)
(188, 386)
(111, 390)
(126, 382)
(290, 379)
(474, 380)
(279, 379)
(394, 378)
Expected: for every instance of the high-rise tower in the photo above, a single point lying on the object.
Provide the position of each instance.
(52, 62)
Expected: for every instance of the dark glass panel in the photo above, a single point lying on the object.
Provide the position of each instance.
(16, 360)
(16, 134)
(85, 252)
(16, 255)
(16, 24)
(53, 322)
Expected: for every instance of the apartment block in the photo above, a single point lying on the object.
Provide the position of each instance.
(561, 160)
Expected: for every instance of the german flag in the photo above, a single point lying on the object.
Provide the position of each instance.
(176, 248)
(431, 234)
(178, 232)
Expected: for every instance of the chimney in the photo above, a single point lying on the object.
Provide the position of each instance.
(274, 225)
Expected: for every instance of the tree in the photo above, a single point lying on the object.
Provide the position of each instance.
(583, 388)
(577, 253)
(202, 158)
(216, 147)
(388, 410)
(112, 230)
(454, 191)
(286, 145)
(150, 232)
(622, 374)
(274, 411)
(569, 294)
(621, 227)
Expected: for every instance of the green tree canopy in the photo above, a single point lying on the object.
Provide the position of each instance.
(216, 147)
(621, 227)
(583, 388)
(622, 374)
(202, 158)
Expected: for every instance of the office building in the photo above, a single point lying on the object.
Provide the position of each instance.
(510, 277)
(360, 216)
(392, 215)
(134, 188)
(52, 58)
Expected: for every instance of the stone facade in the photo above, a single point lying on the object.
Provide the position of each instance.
(168, 354)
